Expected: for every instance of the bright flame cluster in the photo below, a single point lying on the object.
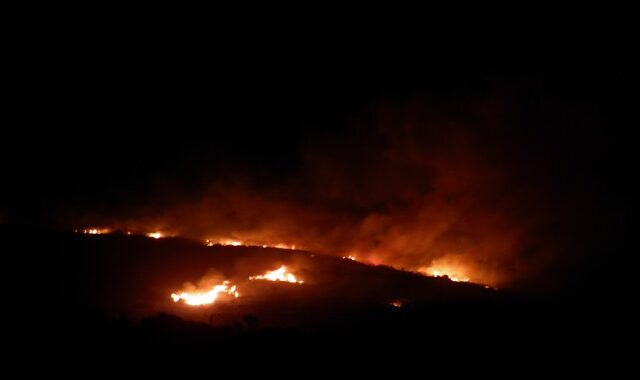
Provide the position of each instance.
(210, 296)
(196, 299)
(352, 258)
(95, 231)
(103, 231)
(450, 274)
(280, 274)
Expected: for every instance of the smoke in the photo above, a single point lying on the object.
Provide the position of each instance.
(470, 185)
(207, 282)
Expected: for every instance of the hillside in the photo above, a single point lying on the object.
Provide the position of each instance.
(118, 275)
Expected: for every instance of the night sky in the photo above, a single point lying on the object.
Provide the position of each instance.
(519, 172)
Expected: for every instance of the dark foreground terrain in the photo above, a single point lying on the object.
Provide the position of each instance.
(106, 298)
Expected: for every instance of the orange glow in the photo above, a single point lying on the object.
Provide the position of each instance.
(453, 274)
(280, 274)
(207, 297)
(451, 266)
(396, 303)
(352, 258)
(155, 235)
(284, 246)
(95, 231)
(233, 243)
(239, 243)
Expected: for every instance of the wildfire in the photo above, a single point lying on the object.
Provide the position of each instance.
(233, 243)
(155, 235)
(280, 274)
(208, 297)
(238, 243)
(284, 246)
(352, 258)
(396, 304)
(95, 231)
(451, 274)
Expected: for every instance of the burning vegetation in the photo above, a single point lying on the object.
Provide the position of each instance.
(212, 289)
(239, 243)
(197, 298)
(206, 293)
(94, 231)
(280, 274)
(449, 267)
(452, 274)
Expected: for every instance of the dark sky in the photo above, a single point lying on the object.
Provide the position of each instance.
(519, 171)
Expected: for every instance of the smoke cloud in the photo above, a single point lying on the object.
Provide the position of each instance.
(471, 185)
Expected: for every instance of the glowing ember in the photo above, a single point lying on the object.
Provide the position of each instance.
(155, 235)
(95, 231)
(396, 303)
(279, 274)
(208, 297)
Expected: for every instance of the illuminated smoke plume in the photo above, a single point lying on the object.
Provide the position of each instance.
(458, 190)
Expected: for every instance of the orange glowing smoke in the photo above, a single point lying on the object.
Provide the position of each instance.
(452, 267)
(280, 274)
(454, 274)
(207, 297)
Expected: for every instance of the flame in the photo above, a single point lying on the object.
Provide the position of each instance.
(280, 274)
(208, 297)
(396, 303)
(239, 243)
(452, 274)
(352, 258)
(95, 231)
(284, 246)
(155, 235)
(451, 266)
(233, 243)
